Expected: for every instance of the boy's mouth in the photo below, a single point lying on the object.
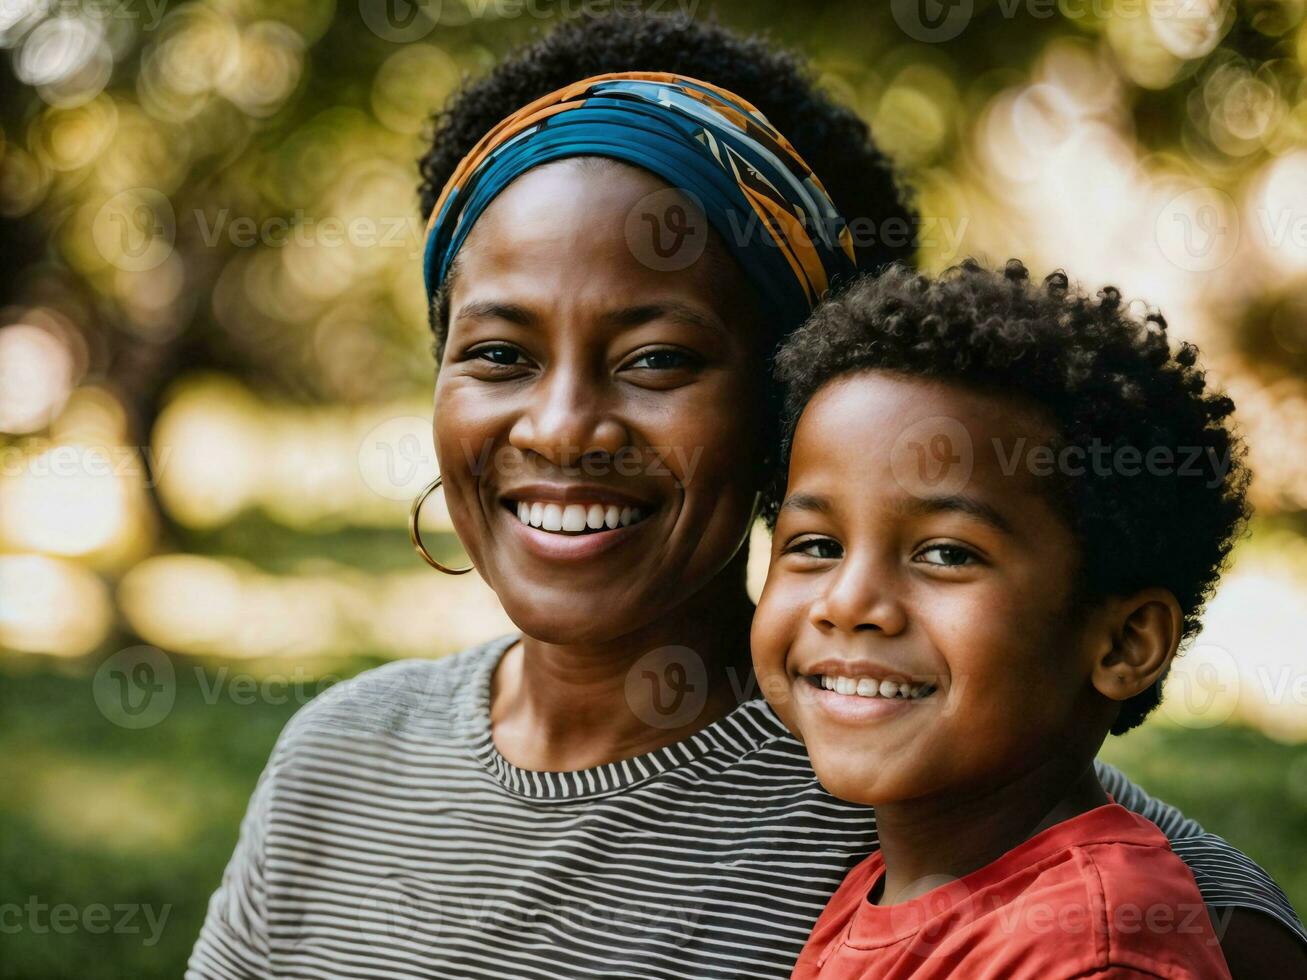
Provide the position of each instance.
(871, 687)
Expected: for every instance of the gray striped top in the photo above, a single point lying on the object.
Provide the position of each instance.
(388, 838)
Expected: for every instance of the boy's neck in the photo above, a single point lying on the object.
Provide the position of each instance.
(954, 834)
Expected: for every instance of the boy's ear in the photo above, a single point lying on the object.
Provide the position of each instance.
(1144, 634)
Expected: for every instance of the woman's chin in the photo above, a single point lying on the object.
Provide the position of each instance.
(559, 616)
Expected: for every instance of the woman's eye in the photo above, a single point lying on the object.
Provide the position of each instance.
(663, 359)
(499, 354)
(946, 556)
(816, 548)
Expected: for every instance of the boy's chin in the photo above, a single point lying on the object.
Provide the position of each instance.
(863, 781)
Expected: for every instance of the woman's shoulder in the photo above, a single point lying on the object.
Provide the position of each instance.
(416, 698)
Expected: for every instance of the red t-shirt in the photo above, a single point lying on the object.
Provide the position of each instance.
(1100, 895)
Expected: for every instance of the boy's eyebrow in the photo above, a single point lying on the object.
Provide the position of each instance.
(957, 503)
(952, 503)
(808, 502)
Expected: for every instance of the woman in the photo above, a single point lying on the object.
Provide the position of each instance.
(602, 795)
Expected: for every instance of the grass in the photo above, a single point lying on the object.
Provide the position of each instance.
(99, 815)
(95, 815)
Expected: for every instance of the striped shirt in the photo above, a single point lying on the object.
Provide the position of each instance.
(388, 838)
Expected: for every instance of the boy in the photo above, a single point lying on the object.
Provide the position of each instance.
(1006, 506)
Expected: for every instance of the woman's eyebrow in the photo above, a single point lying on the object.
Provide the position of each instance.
(634, 316)
(494, 310)
(629, 316)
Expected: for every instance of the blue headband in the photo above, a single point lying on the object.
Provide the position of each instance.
(755, 190)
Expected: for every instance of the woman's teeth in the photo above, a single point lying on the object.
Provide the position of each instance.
(869, 687)
(576, 518)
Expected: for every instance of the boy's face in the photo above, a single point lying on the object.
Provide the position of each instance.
(892, 565)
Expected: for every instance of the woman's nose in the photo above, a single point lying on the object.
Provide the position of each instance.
(568, 415)
(860, 597)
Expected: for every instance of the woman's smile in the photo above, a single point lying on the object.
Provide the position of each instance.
(574, 522)
(577, 518)
(569, 508)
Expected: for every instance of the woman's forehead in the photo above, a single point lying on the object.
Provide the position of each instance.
(588, 224)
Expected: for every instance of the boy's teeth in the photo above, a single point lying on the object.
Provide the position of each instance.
(575, 518)
(867, 687)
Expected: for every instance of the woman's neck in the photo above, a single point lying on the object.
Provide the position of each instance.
(946, 837)
(558, 707)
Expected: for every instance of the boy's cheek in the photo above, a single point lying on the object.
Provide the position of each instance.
(767, 634)
(779, 692)
(775, 687)
(770, 641)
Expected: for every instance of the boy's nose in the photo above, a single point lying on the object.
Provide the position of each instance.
(859, 600)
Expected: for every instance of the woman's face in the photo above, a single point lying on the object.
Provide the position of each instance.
(597, 413)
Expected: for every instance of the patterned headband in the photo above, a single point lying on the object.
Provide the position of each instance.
(703, 140)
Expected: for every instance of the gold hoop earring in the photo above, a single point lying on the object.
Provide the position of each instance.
(415, 535)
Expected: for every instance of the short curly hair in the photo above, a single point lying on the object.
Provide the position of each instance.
(831, 138)
(1102, 376)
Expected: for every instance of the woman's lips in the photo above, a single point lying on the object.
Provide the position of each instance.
(575, 518)
(570, 546)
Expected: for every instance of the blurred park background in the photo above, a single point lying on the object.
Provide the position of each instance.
(215, 378)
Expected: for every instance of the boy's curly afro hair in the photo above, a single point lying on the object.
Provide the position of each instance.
(834, 142)
(1103, 377)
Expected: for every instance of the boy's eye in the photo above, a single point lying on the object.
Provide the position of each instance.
(946, 555)
(815, 547)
